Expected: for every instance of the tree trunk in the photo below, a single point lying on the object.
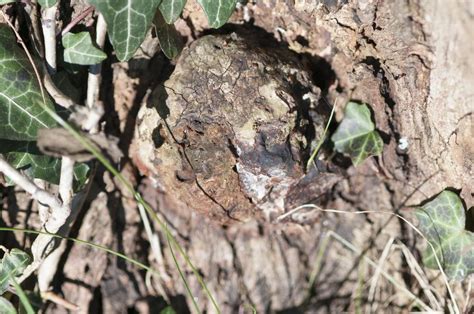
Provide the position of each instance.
(409, 60)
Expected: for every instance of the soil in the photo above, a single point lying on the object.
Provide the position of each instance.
(236, 118)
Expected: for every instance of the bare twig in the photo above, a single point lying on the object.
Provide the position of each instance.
(67, 178)
(48, 23)
(59, 97)
(76, 20)
(43, 244)
(26, 184)
(59, 211)
(94, 78)
(50, 296)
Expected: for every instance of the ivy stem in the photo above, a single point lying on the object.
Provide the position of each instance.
(48, 23)
(94, 78)
(76, 20)
(29, 186)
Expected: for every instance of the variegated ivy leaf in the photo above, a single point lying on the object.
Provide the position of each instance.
(21, 104)
(218, 11)
(12, 264)
(127, 23)
(79, 49)
(47, 3)
(22, 114)
(170, 42)
(25, 155)
(6, 307)
(171, 9)
(356, 135)
(6, 1)
(443, 221)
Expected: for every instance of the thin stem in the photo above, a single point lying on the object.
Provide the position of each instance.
(94, 77)
(48, 22)
(76, 20)
(66, 180)
(26, 184)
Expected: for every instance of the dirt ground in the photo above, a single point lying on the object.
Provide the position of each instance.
(396, 56)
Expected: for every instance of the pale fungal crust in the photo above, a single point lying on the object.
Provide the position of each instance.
(226, 135)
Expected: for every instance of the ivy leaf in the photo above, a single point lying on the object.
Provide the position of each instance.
(218, 11)
(6, 2)
(22, 114)
(26, 155)
(79, 49)
(168, 310)
(63, 82)
(21, 105)
(170, 42)
(47, 3)
(6, 307)
(443, 221)
(356, 135)
(12, 264)
(171, 9)
(127, 23)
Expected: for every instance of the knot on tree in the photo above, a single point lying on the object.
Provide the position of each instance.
(228, 134)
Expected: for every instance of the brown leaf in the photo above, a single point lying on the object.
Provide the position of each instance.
(59, 142)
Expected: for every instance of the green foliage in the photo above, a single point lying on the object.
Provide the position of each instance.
(21, 111)
(171, 9)
(218, 11)
(356, 135)
(443, 221)
(168, 310)
(6, 307)
(47, 3)
(26, 155)
(22, 114)
(12, 264)
(21, 103)
(170, 41)
(127, 23)
(79, 49)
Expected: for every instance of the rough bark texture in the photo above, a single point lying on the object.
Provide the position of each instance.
(227, 135)
(409, 60)
(395, 57)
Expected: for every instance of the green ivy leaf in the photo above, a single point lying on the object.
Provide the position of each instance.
(127, 23)
(218, 11)
(6, 307)
(12, 264)
(356, 134)
(21, 104)
(26, 155)
(22, 114)
(79, 49)
(443, 221)
(168, 310)
(170, 42)
(47, 3)
(63, 82)
(171, 9)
